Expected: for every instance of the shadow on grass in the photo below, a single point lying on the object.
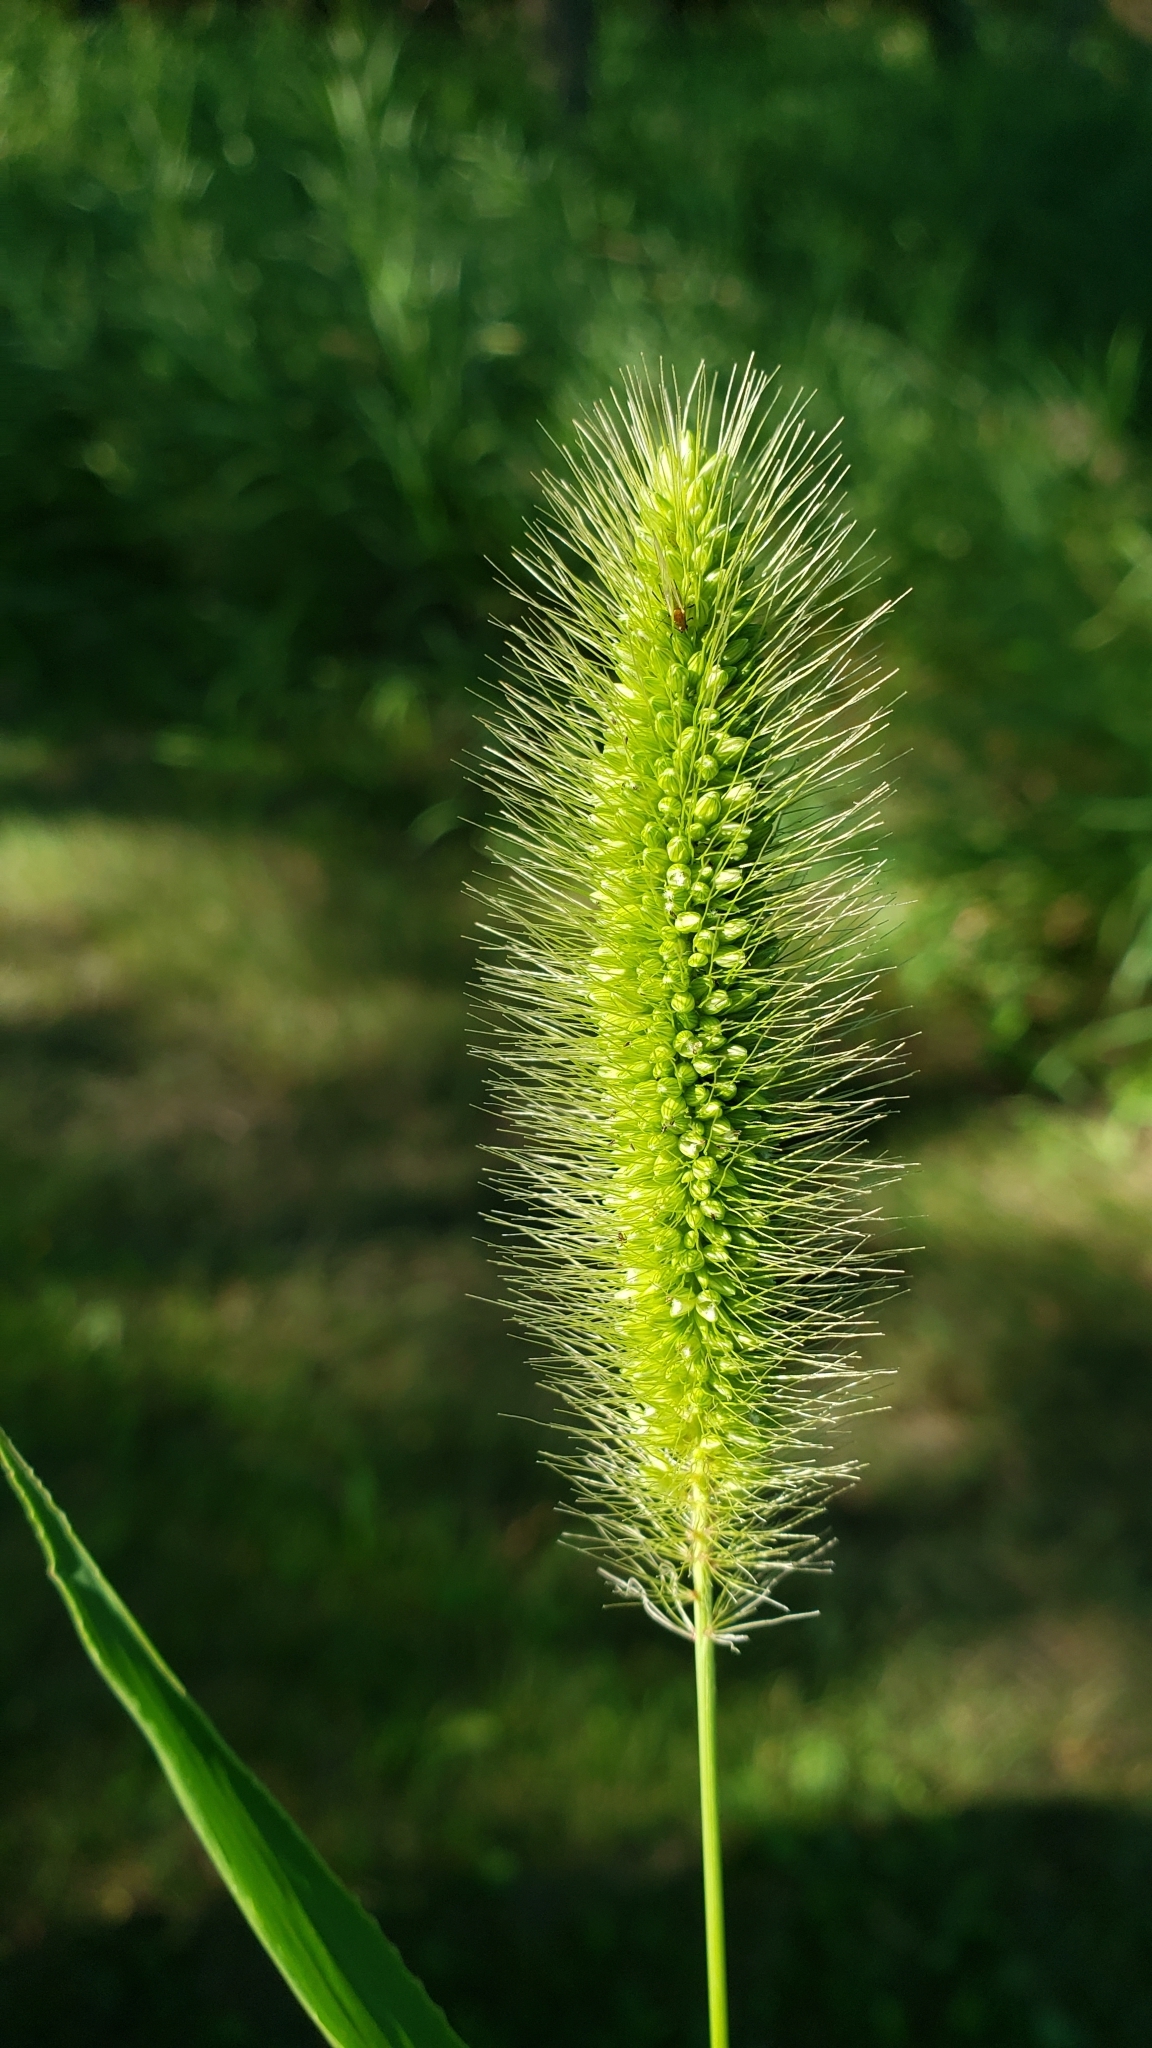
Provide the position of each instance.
(993, 1927)
(244, 1336)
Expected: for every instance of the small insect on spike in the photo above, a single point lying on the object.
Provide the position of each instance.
(672, 597)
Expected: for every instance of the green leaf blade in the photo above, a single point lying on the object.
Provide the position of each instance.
(345, 1973)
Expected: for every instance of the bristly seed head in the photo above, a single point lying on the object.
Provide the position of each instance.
(673, 969)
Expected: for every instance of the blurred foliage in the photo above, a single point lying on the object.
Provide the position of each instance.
(287, 316)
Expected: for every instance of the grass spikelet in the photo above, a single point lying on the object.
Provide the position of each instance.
(675, 980)
(673, 971)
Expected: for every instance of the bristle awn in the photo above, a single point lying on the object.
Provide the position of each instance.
(677, 940)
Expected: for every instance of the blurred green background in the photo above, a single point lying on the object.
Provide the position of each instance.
(289, 309)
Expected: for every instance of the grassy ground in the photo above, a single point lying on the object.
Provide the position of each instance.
(246, 1340)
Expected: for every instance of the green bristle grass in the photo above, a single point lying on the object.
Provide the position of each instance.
(675, 966)
(676, 971)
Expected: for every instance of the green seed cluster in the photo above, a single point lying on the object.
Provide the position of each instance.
(674, 819)
(674, 958)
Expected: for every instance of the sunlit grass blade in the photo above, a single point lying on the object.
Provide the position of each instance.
(346, 1975)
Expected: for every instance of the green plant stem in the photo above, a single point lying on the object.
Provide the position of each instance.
(710, 1813)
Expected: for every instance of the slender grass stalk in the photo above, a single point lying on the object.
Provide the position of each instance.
(675, 973)
(714, 1938)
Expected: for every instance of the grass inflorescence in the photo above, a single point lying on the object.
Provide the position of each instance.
(676, 982)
